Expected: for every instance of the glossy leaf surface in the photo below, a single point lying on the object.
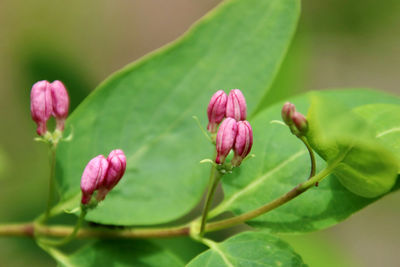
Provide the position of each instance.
(249, 249)
(281, 162)
(146, 109)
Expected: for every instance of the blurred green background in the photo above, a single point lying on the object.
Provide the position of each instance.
(339, 43)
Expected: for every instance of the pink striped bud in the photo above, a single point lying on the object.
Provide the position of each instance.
(288, 111)
(116, 169)
(41, 105)
(94, 172)
(300, 122)
(236, 105)
(225, 139)
(243, 142)
(60, 103)
(216, 110)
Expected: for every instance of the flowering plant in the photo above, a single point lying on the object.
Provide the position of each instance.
(291, 167)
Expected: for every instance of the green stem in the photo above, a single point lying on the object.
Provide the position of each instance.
(312, 156)
(33, 229)
(299, 189)
(36, 229)
(30, 229)
(51, 182)
(69, 237)
(215, 177)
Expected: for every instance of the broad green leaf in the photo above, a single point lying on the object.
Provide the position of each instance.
(385, 120)
(281, 162)
(292, 73)
(248, 249)
(342, 138)
(184, 248)
(330, 122)
(146, 109)
(368, 169)
(117, 253)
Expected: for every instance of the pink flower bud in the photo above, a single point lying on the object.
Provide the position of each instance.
(236, 105)
(60, 103)
(216, 110)
(41, 105)
(300, 122)
(243, 142)
(116, 169)
(288, 111)
(117, 165)
(94, 172)
(225, 139)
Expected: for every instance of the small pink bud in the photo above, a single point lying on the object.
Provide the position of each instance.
(60, 103)
(117, 165)
(225, 139)
(216, 110)
(41, 105)
(94, 172)
(300, 122)
(288, 111)
(116, 169)
(243, 142)
(236, 105)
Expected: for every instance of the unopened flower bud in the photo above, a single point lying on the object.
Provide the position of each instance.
(288, 111)
(216, 110)
(116, 169)
(225, 139)
(60, 103)
(300, 122)
(41, 105)
(95, 171)
(117, 165)
(243, 142)
(236, 105)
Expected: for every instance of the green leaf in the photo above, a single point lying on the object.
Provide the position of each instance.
(117, 253)
(248, 249)
(341, 137)
(183, 247)
(146, 109)
(281, 163)
(367, 169)
(385, 120)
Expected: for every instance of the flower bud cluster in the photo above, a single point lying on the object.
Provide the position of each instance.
(234, 132)
(225, 106)
(49, 99)
(295, 120)
(102, 175)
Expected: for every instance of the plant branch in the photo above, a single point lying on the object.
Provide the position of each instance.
(312, 156)
(51, 181)
(296, 191)
(33, 229)
(70, 237)
(215, 176)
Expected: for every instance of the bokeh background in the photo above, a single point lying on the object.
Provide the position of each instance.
(339, 43)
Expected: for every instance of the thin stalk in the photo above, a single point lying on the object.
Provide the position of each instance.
(312, 156)
(299, 189)
(33, 229)
(215, 177)
(69, 237)
(51, 182)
